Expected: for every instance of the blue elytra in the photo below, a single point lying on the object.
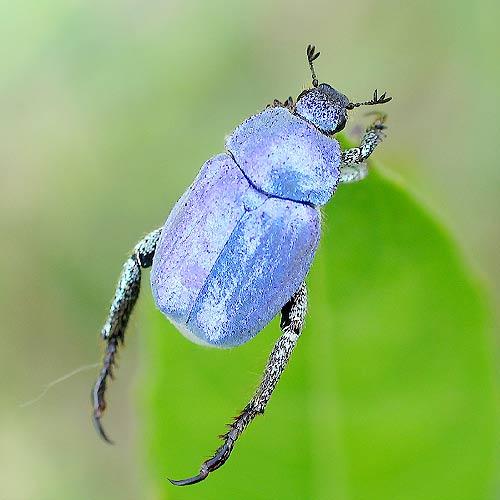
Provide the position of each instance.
(241, 239)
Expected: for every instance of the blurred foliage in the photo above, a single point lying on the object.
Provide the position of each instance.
(108, 110)
(388, 395)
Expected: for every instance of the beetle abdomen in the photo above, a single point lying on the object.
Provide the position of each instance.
(230, 257)
(285, 156)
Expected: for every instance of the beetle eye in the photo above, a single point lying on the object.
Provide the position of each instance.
(303, 93)
(341, 124)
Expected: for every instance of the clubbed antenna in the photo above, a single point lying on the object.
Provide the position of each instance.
(312, 55)
(375, 100)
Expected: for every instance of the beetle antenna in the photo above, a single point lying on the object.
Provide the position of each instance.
(376, 99)
(312, 55)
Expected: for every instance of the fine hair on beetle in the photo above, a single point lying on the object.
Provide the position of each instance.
(235, 250)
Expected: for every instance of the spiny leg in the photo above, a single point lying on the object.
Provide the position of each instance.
(113, 331)
(292, 320)
(353, 167)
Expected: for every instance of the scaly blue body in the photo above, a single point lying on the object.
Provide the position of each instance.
(237, 246)
(285, 156)
(241, 240)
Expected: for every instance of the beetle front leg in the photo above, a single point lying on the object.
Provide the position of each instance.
(288, 103)
(292, 321)
(353, 167)
(113, 331)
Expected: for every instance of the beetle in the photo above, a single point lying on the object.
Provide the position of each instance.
(236, 248)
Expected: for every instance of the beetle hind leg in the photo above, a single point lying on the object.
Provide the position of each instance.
(292, 322)
(113, 331)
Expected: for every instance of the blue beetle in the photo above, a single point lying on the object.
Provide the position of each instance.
(237, 246)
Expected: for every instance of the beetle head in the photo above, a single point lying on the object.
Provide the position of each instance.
(325, 107)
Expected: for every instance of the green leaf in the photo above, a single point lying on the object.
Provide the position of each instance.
(389, 395)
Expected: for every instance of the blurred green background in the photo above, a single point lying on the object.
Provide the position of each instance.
(108, 109)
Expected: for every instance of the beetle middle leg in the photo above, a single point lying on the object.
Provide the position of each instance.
(113, 331)
(353, 167)
(292, 321)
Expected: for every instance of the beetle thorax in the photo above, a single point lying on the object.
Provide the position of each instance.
(285, 156)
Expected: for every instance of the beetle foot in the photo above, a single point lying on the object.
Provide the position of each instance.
(99, 389)
(218, 460)
(288, 104)
(96, 417)
(378, 122)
